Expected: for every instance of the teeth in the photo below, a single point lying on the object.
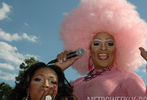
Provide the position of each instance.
(103, 56)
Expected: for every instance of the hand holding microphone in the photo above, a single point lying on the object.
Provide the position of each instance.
(49, 93)
(67, 58)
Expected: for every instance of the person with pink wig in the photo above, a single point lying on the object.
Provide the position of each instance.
(113, 36)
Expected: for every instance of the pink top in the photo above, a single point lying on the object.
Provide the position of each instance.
(111, 84)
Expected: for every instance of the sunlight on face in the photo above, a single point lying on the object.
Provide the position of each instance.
(41, 81)
(102, 50)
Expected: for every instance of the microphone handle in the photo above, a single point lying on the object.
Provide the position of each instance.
(70, 55)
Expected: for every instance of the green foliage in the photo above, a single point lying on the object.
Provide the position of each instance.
(23, 67)
(5, 90)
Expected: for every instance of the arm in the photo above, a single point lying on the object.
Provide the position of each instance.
(134, 84)
(64, 63)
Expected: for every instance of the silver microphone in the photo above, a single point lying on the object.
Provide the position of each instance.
(48, 97)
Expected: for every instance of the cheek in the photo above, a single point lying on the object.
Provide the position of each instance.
(35, 90)
(113, 51)
(94, 49)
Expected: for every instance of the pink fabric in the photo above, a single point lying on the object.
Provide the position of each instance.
(112, 83)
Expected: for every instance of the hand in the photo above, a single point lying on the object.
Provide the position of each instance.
(143, 53)
(51, 91)
(64, 63)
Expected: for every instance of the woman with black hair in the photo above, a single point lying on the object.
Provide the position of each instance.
(41, 81)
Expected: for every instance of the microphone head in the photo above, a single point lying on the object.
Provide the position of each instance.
(80, 52)
(48, 97)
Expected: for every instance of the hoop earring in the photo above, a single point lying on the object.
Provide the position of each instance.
(90, 64)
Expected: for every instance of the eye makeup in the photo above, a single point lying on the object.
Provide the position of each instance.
(110, 44)
(37, 79)
(97, 42)
(53, 82)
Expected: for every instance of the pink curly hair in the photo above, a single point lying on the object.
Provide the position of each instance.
(117, 17)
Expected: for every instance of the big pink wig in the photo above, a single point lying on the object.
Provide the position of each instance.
(117, 17)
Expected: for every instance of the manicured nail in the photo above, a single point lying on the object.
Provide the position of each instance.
(55, 86)
(50, 87)
(64, 59)
(60, 61)
(42, 91)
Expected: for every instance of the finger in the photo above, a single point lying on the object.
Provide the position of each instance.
(50, 91)
(72, 60)
(65, 56)
(46, 92)
(141, 49)
(54, 92)
(59, 57)
(43, 95)
(143, 52)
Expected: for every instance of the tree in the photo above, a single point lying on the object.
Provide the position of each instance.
(23, 67)
(5, 90)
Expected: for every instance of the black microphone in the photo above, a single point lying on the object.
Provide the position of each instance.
(79, 52)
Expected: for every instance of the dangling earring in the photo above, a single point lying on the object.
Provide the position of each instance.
(27, 97)
(90, 64)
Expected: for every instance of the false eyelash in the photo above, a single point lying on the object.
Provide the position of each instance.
(37, 79)
(53, 82)
(110, 43)
(96, 43)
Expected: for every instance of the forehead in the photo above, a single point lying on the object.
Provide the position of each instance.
(103, 35)
(46, 72)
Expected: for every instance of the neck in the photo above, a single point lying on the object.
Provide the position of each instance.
(101, 68)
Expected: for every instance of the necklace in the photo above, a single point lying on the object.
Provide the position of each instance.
(94, 73)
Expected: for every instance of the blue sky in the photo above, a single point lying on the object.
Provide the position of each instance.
(30, 28)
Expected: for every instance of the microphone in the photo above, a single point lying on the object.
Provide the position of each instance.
(79, 52)
(48, 97)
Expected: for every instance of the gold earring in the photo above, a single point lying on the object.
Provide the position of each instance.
(27, 97)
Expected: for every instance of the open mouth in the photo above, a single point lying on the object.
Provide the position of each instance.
(103, 56)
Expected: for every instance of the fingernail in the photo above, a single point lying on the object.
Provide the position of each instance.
(50, 87)
(54, 86)
(60, 61)
(55, 91)
(64, 59)
(42, 91)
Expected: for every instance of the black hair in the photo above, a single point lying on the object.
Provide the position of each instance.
(65, 90)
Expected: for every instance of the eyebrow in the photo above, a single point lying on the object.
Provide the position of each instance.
(43, 75)
(104, 40)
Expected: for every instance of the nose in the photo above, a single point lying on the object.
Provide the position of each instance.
(103, 46)
(46, 84)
